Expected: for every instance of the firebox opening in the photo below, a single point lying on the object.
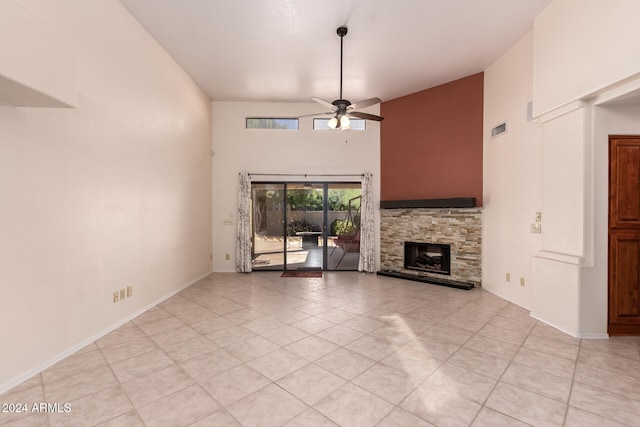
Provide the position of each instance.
(428, 257)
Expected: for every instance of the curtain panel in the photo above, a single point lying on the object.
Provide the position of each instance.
(243, 249)
(367, 262)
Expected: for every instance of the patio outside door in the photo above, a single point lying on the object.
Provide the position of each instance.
(268, 225)
(305, 226)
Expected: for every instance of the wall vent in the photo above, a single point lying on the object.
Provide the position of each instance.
(498, 130)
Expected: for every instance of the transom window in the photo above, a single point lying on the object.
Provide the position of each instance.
(272, 123)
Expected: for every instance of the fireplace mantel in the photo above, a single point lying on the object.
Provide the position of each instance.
(456, 203)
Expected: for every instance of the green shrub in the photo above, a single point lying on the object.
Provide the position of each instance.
(342, 226)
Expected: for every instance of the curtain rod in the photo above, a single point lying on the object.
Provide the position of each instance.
(305, 174)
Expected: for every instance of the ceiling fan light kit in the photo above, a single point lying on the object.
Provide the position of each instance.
(343, 121)
(342, 108)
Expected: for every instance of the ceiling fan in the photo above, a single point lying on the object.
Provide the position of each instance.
(342, 108)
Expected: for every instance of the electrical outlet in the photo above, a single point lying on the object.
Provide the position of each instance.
(122, 294)
(116, 296)
(227, 257)
(536, 228)
(538, 217)
(522, 281)
(129, 291)
(508, 277)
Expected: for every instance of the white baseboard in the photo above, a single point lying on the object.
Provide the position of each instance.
(30, 373)
(580, 336)
(553, 326)
(594, 336)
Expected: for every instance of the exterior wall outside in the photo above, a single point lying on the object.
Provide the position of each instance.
(460, 228)
(113, 193)
(314, 217)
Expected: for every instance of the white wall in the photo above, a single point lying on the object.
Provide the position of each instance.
(512, 176)
(582, 46)
(302, 151)
(564, 183)
(40, 72)
(114, 192)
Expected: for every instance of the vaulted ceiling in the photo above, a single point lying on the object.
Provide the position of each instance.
(288, 50)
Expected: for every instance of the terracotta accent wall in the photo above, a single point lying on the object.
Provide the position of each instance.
(431, 143)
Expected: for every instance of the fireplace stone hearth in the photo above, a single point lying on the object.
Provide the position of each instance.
(459, 228)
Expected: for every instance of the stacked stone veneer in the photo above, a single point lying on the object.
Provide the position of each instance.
(460, 228)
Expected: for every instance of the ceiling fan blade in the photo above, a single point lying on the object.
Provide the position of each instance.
(325, 103)
(327, 113)
(365, 116)
(366, 103)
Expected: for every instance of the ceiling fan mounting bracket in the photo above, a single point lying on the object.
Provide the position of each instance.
(341, 104)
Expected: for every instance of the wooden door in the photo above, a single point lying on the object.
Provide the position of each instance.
(624, 235)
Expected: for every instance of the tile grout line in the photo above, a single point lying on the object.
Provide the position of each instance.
(498, 380)
(573, 377)
(135, 410)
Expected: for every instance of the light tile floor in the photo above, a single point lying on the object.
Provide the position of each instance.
(349, 349)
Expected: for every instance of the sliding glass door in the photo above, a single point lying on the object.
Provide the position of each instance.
(305, 226)
(344, 226)
(267, 225)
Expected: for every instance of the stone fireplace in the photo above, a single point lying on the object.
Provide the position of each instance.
(459, 229)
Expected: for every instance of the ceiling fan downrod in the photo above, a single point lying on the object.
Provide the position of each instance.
(342, 31)
(343, 109)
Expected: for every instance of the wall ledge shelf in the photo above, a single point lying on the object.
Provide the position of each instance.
(460, 202)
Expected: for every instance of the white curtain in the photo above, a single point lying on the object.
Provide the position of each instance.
(367, 260)
(243, 250)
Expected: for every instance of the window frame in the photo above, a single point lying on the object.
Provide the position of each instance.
(291, 119)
